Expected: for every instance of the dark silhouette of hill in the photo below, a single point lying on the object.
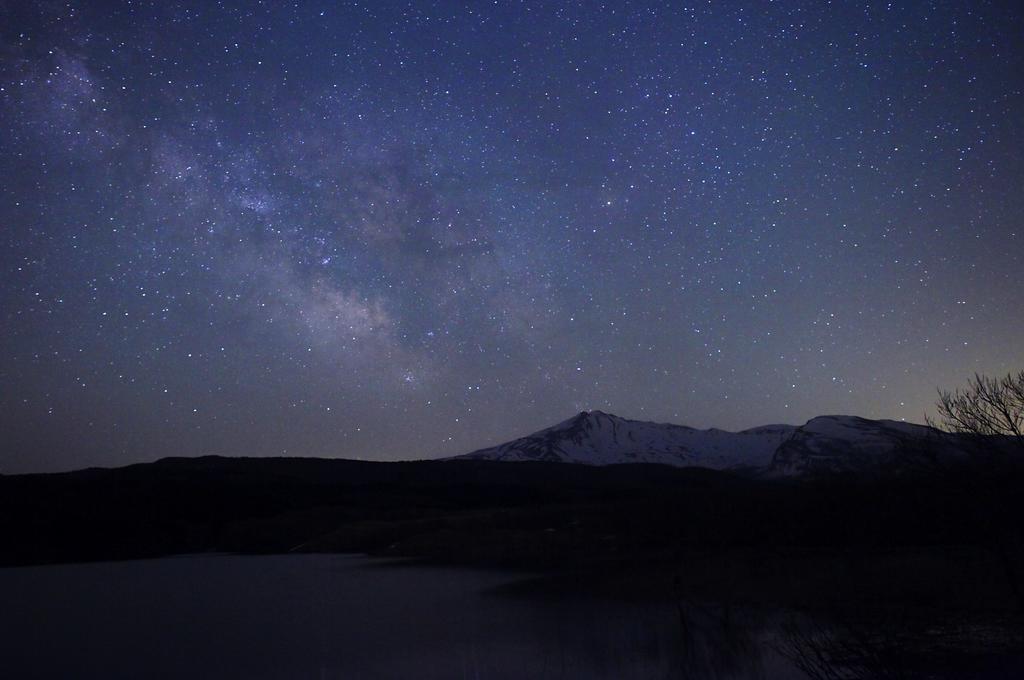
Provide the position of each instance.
(529, 514)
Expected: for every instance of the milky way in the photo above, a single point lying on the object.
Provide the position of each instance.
(402, 230)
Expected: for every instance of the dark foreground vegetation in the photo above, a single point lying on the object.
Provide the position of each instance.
(538, 516)
(522, 514)
(939, 553)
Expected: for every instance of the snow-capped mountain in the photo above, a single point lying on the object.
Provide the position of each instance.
(597, 438)
(823, 444)
(828, 444)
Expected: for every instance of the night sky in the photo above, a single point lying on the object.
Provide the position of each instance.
(405, 230)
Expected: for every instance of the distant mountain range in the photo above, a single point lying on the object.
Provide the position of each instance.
(826, 444)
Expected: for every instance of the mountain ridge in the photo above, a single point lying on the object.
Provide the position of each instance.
(824, 444)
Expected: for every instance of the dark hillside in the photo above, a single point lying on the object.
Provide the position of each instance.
(533, 514)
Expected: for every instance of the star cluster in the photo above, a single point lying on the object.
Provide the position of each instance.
(406, 229)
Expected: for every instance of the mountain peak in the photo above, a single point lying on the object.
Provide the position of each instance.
(837, 443)
(585, 419)
(824, 443)
(594, 437)
(595, 413)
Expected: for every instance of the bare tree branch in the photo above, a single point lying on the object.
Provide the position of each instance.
(991, 410)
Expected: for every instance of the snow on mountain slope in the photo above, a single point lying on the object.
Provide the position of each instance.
(597, 438)
(825, 444)
(829, 444)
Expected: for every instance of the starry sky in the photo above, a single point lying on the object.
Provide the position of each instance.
(394, 230)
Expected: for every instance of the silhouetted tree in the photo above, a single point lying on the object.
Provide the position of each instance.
(989, 410)
(988, 416)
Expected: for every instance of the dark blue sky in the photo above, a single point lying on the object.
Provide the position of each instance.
(401, 230)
